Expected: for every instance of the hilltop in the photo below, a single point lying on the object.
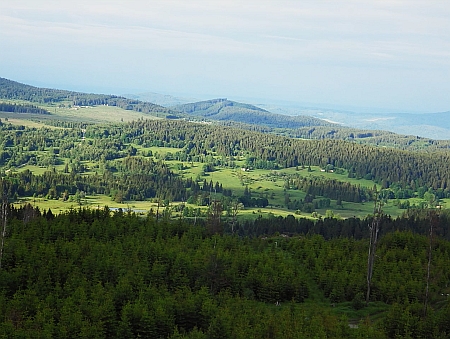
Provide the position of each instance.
(227, 110)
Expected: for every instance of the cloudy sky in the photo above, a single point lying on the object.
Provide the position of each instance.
(392, 54)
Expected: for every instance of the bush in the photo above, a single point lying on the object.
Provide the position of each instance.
(358, 301)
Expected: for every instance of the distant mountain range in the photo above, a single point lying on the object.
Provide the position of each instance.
(165, 100)
(227, 110)
(427, 125)
(287, 119)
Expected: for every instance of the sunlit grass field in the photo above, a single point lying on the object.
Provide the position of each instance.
(260, 182)
(88, 114)
(100, 114)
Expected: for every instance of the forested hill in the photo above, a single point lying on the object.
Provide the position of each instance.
(373, 137)
(384, 165)
(251, 117)
(215, 106)
(227, 110)
(12, 90)
(16, 97)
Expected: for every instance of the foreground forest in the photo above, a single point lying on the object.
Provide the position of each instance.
(103, 274)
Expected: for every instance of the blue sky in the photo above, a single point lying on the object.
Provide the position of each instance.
(360, 53)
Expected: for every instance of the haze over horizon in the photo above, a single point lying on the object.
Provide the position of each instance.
(391, 55)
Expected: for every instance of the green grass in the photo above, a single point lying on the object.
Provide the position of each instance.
(99, 114)
(316, 172)
(37, 170)
(97, 201)
(90, 114)
(161, 150)
(262, 183)
(23, 120)
(374, 311)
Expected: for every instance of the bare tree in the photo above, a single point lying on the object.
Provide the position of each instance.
(214, 215)
(374, 228)
(4, 222)
(235, 207)
(158, 200)
(433, 216)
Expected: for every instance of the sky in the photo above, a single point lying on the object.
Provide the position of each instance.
(377, 54)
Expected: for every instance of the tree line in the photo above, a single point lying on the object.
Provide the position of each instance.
(385, 166)
(21, 108)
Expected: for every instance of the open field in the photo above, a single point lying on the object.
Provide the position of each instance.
(99, 114)
(13, 119)
(260, 182)
(97, 201)
(85, 114)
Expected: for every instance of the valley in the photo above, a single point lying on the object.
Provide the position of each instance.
(215, 219)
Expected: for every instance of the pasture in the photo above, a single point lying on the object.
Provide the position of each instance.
(260, 182)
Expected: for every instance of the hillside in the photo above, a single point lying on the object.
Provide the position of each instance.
(51, 106)
(12, 90)
(231, 225)
(315, 124)
(227, 110)
(165, 100)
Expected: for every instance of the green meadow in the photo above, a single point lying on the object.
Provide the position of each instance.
(264, 183)
(260, 182)
(84, 114)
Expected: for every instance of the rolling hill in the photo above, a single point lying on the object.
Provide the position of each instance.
(293, 121)
(227, 110)
(12, 90)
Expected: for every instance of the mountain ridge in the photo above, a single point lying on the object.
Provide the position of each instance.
(223, 109)
(313, 124)
(13, 90)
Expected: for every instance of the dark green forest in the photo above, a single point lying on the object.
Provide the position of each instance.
(113, 274)
(20, 108)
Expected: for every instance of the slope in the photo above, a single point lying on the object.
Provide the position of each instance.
(12, 90)
(227, 110)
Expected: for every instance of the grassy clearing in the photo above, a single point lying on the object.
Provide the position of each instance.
(86, 114)
(22, 119)
(374, 311)
(316, 171)
(97, 201)
(351, 209)
(97, 114)
(268, 184)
